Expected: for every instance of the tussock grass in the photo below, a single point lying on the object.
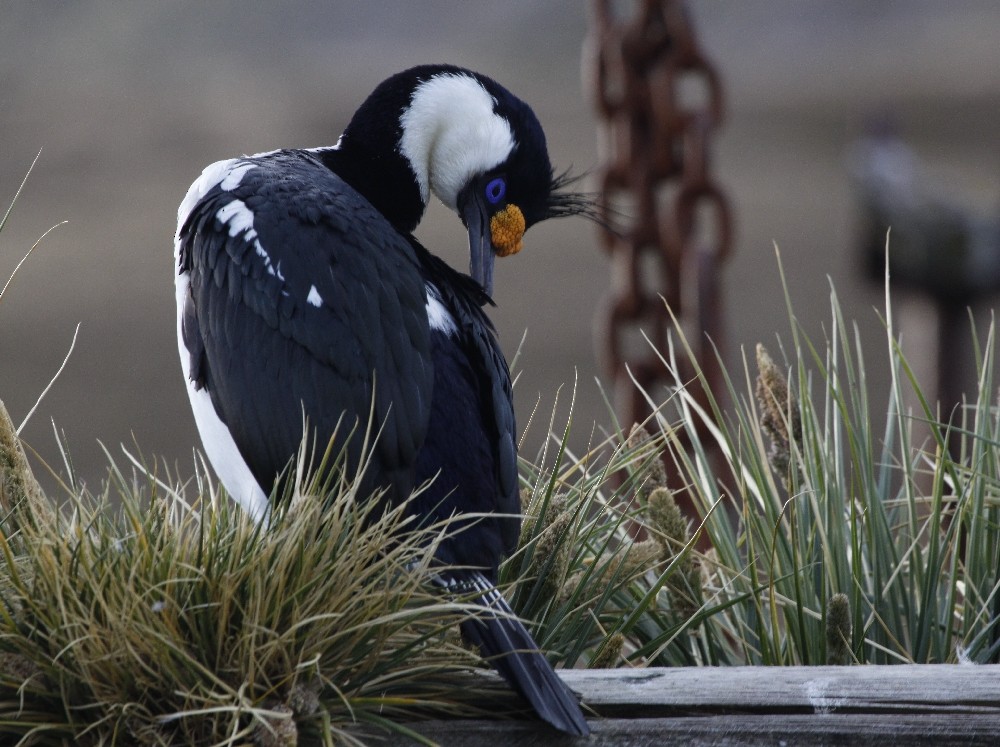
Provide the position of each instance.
(156, 612)
(830, 529)
(605, 570)
(174, 621)
(885, 504)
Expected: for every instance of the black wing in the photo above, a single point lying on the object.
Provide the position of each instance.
(306, 302)
(470, 448)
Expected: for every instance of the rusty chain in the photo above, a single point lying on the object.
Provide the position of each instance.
(667, 224)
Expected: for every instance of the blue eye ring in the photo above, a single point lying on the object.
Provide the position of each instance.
(496, 190)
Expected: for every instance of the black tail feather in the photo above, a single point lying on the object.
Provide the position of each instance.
(509, 647)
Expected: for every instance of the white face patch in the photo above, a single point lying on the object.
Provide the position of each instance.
(451, 133)
(437, 315)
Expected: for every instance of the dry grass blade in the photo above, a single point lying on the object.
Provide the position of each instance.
(72, 345)
(6, 215)
(26, 255)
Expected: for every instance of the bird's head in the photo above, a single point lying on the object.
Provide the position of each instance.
(480, 150)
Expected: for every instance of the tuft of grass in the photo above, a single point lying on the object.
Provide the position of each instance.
(169, 621)
(829, 529)
(826, 495)
(604, 571)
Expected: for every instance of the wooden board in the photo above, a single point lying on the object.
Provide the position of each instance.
(890, 705)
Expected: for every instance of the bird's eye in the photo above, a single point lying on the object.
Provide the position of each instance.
(496, 190)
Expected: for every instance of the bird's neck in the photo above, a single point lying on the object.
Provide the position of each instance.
(380, 175)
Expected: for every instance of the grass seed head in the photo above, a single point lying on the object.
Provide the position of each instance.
(667, 520)
(617, 571)
(672, 532)
(609, 654)
(639, 439)
(780, 417)
(838, 630)
(552, 543)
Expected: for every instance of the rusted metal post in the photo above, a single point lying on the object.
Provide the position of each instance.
(660, 102)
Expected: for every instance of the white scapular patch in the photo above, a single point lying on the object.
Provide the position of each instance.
(227, 174)
(235, 176)
(451, 133)
(239, 218)
(438, 316)
(314, 297)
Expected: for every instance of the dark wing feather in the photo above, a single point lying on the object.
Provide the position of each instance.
(307, 302)
(507, 645)
(470, 448)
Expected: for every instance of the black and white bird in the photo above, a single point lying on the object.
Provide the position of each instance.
(303, 297)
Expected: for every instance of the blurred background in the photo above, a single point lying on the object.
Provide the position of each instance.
(128, 101)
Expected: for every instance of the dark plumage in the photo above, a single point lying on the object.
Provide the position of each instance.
(303, 298)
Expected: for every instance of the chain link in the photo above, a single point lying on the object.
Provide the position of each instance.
(667, 223)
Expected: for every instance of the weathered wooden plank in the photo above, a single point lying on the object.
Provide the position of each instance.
(891, 705)
(949, 730)
(927, 688)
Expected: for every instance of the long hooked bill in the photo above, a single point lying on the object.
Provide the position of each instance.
(480, 246)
